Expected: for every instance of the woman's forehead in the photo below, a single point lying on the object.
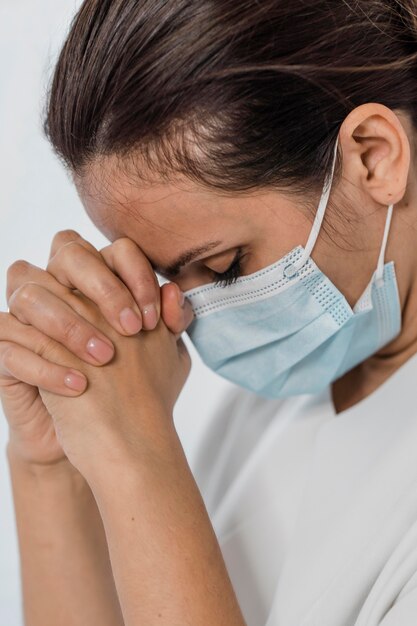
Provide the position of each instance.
(161, 216)
(114, 198)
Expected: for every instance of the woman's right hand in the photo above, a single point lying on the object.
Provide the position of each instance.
(116, 278)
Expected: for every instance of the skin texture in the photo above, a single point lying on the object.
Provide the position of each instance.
(59, 525)
(120, 436)
(378, 151)
(126, 422)
(66, 574)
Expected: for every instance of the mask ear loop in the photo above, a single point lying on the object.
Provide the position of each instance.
(293, 268)
(379, 273)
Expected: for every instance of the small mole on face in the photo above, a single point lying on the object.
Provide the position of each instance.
(133, 519)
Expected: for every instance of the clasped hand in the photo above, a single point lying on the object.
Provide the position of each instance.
(126, 407)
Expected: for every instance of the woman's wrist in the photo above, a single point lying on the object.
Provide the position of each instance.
(63, 549)
(39, 469)
(157, 448)
(158, 532)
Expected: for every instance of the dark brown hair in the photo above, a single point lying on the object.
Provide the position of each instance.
(235, 94)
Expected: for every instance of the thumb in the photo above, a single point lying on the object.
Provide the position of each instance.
(176, 317)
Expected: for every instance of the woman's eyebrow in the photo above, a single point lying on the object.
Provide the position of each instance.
(186, 257)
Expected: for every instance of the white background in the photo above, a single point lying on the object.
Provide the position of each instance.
(37, 200)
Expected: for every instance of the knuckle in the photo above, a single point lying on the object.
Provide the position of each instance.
(110, 290)
(67, 254)
(65, 251)
(45, 346)
(64, 236)
(71, 249)
(71, 331)
(16, 269)
(147, 287)
(25, 295)
(7, 354)
(124, 243)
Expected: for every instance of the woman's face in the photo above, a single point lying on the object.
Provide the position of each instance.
(191, 234)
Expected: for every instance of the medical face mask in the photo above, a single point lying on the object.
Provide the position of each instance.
(286, 329)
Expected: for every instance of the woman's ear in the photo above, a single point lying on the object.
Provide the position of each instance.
(376, 152)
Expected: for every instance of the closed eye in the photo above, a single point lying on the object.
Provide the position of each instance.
(232, 273)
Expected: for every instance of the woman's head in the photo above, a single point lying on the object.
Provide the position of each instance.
(215, 120)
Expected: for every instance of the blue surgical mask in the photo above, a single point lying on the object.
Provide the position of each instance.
(286, 329)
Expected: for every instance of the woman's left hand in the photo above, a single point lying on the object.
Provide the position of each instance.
(120, 435)
(128, 405)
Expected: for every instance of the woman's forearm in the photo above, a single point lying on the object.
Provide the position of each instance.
(166, 560)
(65, 568)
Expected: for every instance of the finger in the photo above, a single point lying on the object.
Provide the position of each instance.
(128, 262)
(22, 271)
(176, 312)
(33, 304)
(13, 331)
(77, 268)
(22, 364)
(66, 236)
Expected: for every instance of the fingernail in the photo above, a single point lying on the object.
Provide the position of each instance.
(130, 321)
(100, 350)
(181, 297)
(74, 380)
(150, 317)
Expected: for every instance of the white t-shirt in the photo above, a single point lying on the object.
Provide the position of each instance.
(316, 512)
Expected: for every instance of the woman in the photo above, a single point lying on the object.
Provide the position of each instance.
(260, 157)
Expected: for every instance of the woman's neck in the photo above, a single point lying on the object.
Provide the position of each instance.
(365, 378)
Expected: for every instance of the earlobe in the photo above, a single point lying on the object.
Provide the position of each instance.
(380, 149)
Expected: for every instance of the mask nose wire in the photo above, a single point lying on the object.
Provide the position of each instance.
(315, 229)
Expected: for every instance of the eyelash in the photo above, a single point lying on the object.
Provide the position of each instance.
(232, 273)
